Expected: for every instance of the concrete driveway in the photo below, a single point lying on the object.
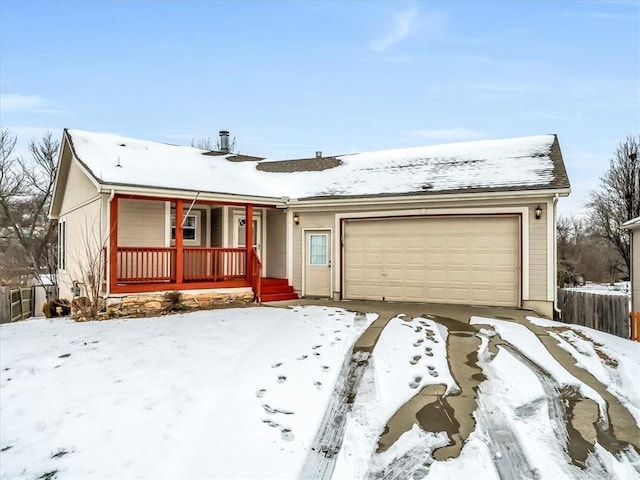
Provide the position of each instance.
(454, 414)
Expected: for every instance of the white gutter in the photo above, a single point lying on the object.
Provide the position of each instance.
(555, 256)
(400, 199)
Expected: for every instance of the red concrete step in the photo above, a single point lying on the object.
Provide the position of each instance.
(274, 289)
(277, 289)
(267, 281)
(274, 297)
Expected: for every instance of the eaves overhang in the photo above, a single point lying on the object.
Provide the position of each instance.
(413, 198)
(169, 193)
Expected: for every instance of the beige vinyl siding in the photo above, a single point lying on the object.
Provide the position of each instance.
(276, 244)
(85, 238)
(79, 189)
(82, 210)
(537, 255)
(307, 220)
(141, 223)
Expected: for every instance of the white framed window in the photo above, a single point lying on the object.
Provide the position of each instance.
(190, 228)
(62, 244)
(318, 249)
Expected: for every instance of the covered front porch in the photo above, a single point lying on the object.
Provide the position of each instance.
(158, 244)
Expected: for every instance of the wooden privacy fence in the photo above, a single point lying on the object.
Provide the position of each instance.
(18, 303)
(607, 313)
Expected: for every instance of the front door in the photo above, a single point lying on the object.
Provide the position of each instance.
(317, 263)
(239, 233)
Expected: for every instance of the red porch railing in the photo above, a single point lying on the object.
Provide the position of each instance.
(214, 264)
(146, 264)
(255, 270)
(158, 264)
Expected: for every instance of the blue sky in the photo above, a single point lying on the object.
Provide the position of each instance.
(290, 78)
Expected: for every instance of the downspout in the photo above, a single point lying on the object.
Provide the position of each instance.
(106, 291)
(555, 256)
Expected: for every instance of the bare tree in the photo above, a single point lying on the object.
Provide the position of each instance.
(89, 271)
(26, 188)
(617, 200)
(213, 145)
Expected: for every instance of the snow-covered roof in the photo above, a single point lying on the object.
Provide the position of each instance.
(529, 163)
(632, 224)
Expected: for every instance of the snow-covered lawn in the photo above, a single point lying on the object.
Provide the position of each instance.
(243, 393)
(231, 393)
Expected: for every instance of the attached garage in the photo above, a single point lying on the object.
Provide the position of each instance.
(445, 259)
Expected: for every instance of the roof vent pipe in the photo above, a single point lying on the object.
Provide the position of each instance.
(318, 154)
(224, 141)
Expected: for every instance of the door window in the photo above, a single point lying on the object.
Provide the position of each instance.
(318, 249)
(242, 227)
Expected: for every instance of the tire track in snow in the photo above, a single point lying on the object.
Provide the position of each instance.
(322, 456)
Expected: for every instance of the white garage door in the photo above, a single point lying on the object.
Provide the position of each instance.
(463, 260)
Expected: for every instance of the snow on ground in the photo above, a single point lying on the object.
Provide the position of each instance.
(240, 393)
(232, 393)
(619, 288)
(526, 341)
(410, 354)
(614, 361)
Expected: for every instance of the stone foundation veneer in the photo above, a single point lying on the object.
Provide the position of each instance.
(145, 305)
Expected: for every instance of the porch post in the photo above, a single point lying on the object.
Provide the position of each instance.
(113, 243)
(179, 241)
(248, 230)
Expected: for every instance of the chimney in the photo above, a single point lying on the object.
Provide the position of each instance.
(318, 154)
(224, 141)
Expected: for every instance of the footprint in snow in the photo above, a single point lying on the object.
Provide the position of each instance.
(415, 359)
(315, 347)
(433, 373)
(325, 368)
(316, 354)
(417, 329)
(261, 392)
(317, 384)
(271, 423)
(276, 365)
(287, 434)
(418, 342)
(415, 383)
(282, 378)
(302, 357)
(337, 339)
(271, 410)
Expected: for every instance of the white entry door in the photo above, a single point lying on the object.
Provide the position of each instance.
(239, 233)
(317, 263)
